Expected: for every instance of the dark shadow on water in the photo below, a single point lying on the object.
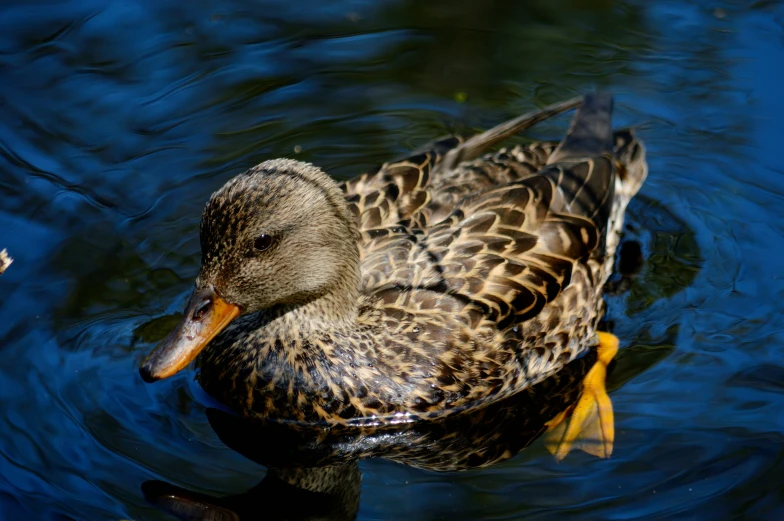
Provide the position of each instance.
(328, 493)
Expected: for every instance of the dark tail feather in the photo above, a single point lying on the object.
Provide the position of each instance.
(582, 165)
(590, 134)
(477, 145)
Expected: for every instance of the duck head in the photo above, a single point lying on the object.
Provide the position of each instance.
(279, 236)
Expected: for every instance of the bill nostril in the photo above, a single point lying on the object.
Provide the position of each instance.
(146, 372)
(202, 309)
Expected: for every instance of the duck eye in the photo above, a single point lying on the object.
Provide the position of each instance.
(262, 242)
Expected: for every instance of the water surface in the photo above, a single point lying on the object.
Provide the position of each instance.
(118, 119)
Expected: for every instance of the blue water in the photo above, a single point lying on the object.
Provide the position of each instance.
(118, 119)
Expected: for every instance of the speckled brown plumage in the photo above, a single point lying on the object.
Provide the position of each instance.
(478, 437)
(435, 284)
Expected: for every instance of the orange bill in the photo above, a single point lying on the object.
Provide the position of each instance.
(205, 316)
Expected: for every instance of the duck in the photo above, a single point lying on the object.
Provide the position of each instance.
(438, 283)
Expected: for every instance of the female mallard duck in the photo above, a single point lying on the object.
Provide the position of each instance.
(434, 284)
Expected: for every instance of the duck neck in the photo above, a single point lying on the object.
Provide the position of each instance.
(335, 310)
(327, 313)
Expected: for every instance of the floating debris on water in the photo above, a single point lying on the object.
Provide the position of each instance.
(5, 261)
